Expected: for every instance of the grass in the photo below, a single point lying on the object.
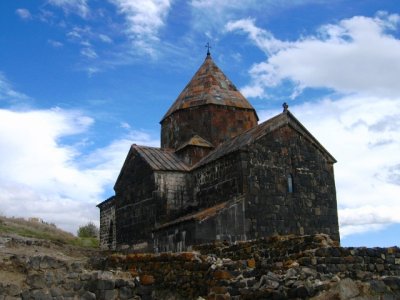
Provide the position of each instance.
(39, 230)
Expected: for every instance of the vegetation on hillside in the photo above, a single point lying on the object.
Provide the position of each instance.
(88, 231)
(41, 230)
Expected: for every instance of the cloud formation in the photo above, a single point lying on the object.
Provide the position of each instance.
(79, 7)
(43, 176)
(8, 94)
(24, 13)
(356, 55)
(144, 19)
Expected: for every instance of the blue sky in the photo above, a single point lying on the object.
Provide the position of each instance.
(81, 80)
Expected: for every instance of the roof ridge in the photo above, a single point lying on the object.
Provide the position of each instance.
(245, 138)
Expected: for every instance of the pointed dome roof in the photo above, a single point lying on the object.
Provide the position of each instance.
(209, 86)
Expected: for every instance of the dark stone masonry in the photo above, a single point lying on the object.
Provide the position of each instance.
(281, 267)
(220, 176)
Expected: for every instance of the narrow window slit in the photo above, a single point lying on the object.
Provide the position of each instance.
(290, 183)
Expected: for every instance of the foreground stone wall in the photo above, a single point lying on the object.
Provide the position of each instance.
(306, 267)
(290, 267)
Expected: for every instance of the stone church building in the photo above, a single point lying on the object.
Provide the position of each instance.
(219, 175)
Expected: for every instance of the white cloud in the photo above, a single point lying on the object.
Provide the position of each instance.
(210, 16)
(8, 92)
(23, 13)
(144, 19)
(356, 55)
(79, 7)
(55, 44)
(42, 176)
(89, 52)
(105, 38)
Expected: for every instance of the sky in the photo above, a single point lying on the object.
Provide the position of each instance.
(82, 80)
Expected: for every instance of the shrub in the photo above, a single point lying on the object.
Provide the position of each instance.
(88, 230)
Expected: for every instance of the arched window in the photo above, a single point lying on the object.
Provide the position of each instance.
(290, 183)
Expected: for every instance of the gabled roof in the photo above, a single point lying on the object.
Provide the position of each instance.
(248, 137)
(160, 159)
(209, 86)
(196, 141)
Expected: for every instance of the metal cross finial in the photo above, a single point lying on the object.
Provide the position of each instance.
(285, 106)
(208, 48)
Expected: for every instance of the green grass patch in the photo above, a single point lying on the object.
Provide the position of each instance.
(37, 230)
(86, 242)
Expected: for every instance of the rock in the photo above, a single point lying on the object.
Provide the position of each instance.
(308, 272)
(392, 282)
(110, 294)
(347, 289)
(267, 281)
(126, 292)
(34, 262)
(35, 281)
(147, 279)
(378, 286)
(222, 274)
(11, 290)
(105, 284)
(298, 292)
(72, 275)
(251, 263)
(88, 296)
(40, 295)
(55, 292)
(85, 276)
(291, 273)
(47, 262)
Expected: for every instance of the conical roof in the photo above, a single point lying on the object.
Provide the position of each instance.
(209, 86)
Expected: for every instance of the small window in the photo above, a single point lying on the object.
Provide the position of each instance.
(290, 183)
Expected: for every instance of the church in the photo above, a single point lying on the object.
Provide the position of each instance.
(220, 176)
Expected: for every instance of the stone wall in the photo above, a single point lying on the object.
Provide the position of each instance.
(290, 267)
(107, 224)
(213, 224)
(207, 121)
(173, 190)
(310, 207)
(281, 267)
(218, 181)
(135, 209)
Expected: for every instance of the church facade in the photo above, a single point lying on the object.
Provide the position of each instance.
(219, 175)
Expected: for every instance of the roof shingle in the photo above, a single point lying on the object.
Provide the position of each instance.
(209, 86)
(161, 159)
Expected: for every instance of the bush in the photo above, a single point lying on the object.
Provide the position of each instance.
(88, 230)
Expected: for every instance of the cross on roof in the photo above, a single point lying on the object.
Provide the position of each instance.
(285, 106)
(208, 48)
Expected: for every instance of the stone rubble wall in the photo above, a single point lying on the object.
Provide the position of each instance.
(290, 267)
